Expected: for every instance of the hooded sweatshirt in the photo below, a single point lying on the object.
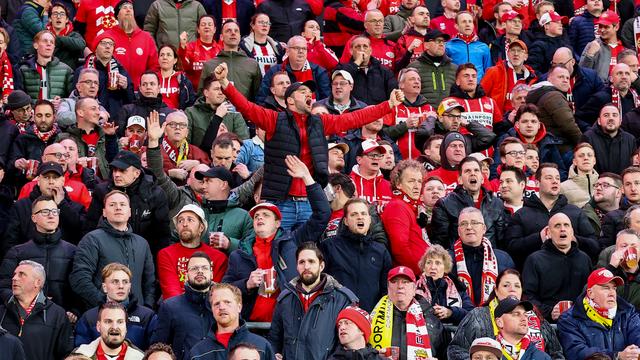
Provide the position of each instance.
(376, 189)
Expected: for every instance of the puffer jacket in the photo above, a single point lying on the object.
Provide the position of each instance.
(165, 21)
(444, 222)
(30, 19)
(210, 348)
(586, 82)
(613, 154)
(522, 236)
(579, 188)
(366, 353)
(542, 50)
(475, 52)
(106, 149)
(55, 254)
(69, 48)
(494, 83)
(309, 335)
(581, 31)
(320, 76)
(200, 115)
(581, 337)
(228, 217)
(104, 246)
(244, 72)
(359, 263)
(436, 80)
(59, 78)
(478, 324)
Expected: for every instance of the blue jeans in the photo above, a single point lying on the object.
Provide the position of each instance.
(294, 213)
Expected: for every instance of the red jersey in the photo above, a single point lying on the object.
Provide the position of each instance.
(321, 55)
(170, 89)
(444, 24)
(375, 190)
(400, 114)
(381, 49)
(194, 56)
(484, 110)
(264, 55)
(98, 15)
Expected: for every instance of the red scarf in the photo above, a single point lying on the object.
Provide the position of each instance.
(489, 271)
(511, 351)
(301, 75)
(101, 356)
(452, 295)
(176, 155)
(415, 204)
(468, 38)
(572, 104)
(64, 32)
(45, 136)
(615, 98)
(512, 78)
(112, 67)
(6, 73)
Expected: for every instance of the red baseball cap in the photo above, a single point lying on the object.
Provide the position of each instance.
(608, 18)
(370, 145)
(267, 206)
(401, 271)
(552, 16)
(603, 276)
(510, 15)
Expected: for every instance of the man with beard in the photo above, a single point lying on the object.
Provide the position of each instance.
(185, 319)
(134, 49)
(606, 198)
(141, 320)
(112, 325)
(308, 308)
(511, 320)
(411, 43)
(190, 223)
(613, 146)
(229, 328)
(337, 151)
(433, 63)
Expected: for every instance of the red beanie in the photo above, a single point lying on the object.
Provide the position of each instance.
(359, 317)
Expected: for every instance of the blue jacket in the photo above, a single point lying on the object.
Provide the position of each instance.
(542, 50)
(283, 250)
(320, 76)
(581, 32)
(251, 154)
(580, 337)
(210, 348)
(310, 335)
(183, 321)
(476, 53)
(141, 322)
(359, 263)
(532, 353)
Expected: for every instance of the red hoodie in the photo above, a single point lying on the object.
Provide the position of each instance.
(76, 190)
(374, 190)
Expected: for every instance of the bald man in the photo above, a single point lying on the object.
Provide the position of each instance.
(585, 82)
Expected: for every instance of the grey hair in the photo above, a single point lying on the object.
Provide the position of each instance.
(89, 71)
(177, 113)
(37, 267)
(627, 232)
(471, 210)
(521, 87)
(627, 215)
(294, 38)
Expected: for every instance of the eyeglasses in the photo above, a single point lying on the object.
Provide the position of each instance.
(375, 156)
(47, 212)
(264, 23)
(340, 83)
(107, 43)
(177, 126)
(90, 82)
(201, 268)
(516, 51)
(516, 153)
(605, 186)
(59, 156)
(58, 14)
(298, 48)
(453, 116)
(375, 21)
(473, 223)
(23, 109)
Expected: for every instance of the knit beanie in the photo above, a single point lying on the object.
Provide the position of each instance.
(18, 99)
(359, 317)
(450, 137)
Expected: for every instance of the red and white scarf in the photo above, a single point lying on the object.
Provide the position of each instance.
(6, 73)
(533, 321)
(572, 104)
(512, 77)
(101, 356)
(176, 154)
(45, 136)
(453, 296)
(636, 32)
(44, 81)
(64, 32)
(489, 271)
(615, 98)
(112, 67)
(513, 352)
(468, 38)
(418, 339)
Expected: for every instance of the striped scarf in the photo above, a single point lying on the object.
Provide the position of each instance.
(6, 74)
(112, 67)
(489, 271)
(453, 296)
(597, 314)
(534, 334)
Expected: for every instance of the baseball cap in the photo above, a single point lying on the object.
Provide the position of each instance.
(510, 15)
(486, 344)
(509, 303)
(126, 158)
(296, 85)
(434, 34)
(342, 146)
(137, 120)
(603, 276)
(48, 167)
(370, 145)
(267, 206)
(608, 18)
(401, 271)
(194, 209)
(359, 317)
(216, 172)
(449, 104)
(519, 43)
(552, 16)
(344, 74)
(481, 157)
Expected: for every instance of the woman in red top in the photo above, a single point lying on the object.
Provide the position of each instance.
(318, 53)
(194, 54)
(176, 90)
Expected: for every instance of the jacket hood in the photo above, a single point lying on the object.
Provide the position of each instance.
(457, 92)
(330, 285)
(109, 229)
(47, 239)
(539, 90)
(448, 139)
(420, 101)
(542, 132)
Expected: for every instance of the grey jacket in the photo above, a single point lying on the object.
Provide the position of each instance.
(599, 62)
(66, 114)
(477, 324)
(394, 24)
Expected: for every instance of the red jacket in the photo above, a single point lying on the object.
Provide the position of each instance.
(321, 55)
(332, 125)
(402, 45)
(375, 190)
(405, 235)
(494, 83)
(400, 114)
(341, 22)
(137, 53)
(172, 267)
(194, 57)
(76, 190)
(98, 16)
(381, 49)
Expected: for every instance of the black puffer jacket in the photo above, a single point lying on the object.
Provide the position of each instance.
(142, 106)
(149, 210)
(542, 49)
(11, 346)
(478, 324)
(444, 223)
(367, 353)
(359, 263)
(613, 154)
(55, 254)
(20, 227)
(522, 237)
(104, 246)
